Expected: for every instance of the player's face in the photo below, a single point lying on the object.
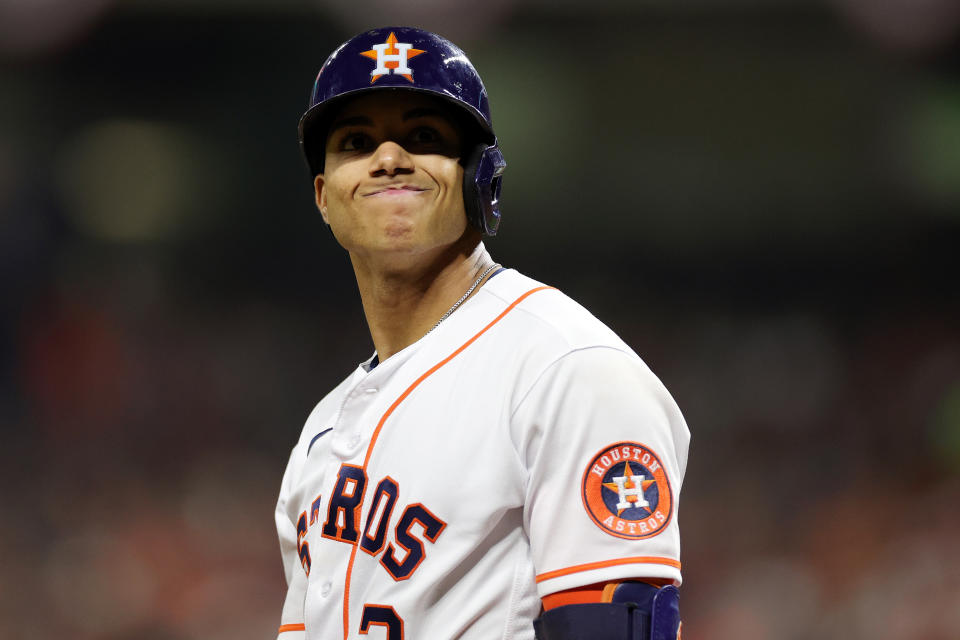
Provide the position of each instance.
(392, 181)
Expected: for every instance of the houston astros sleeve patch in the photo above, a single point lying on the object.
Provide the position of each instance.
(626, 492)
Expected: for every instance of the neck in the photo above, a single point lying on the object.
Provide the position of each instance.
(402, 305)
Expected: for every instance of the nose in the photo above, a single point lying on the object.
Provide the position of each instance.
(390, 159)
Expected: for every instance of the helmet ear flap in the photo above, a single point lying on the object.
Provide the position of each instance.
(482, 181)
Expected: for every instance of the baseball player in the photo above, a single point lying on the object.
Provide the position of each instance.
(503, 466)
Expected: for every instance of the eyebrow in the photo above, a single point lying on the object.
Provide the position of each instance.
(353, 121)
(424, 112)
(412, 114)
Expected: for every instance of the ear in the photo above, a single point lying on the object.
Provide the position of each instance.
(320, 195)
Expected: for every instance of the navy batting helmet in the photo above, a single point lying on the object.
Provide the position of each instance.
(408, 59)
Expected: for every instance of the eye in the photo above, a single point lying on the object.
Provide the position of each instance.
(425, 136)
(355, 141)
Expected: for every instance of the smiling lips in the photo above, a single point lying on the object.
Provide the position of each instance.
(395, 190)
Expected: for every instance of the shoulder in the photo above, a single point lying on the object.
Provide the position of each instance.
(564, 346)
(546, 317)
(551, 343)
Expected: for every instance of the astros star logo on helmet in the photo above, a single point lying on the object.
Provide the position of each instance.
(391, 57)
(626, 491)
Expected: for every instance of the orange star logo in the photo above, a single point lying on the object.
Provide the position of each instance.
(392, 55)
(629, 484)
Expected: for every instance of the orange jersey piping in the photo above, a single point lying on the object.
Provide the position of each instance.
(292, 627)
(387, 414)
(608, 563)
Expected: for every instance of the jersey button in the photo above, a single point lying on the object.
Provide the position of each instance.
(372, 390)
(347, 445)
(325, 589)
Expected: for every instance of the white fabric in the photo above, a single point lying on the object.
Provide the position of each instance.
(495, 443)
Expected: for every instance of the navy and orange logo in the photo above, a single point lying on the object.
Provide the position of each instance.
(626, 492)
(391, 57)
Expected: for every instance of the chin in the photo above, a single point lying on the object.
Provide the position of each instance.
(398, 228)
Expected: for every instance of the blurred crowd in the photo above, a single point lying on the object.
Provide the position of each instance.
(155, 370)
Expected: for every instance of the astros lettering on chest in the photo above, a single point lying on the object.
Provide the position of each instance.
(376, 479)
(377, 525)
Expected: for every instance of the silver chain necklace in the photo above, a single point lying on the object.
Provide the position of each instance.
(465, 295)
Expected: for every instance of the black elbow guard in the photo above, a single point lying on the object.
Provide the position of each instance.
(639, 611)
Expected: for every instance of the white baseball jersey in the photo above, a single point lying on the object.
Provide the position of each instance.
(519, 449)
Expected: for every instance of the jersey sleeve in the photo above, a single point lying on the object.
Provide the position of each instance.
(291, 619)
(605, 449)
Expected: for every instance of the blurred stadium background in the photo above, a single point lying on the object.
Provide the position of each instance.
(762, 197)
